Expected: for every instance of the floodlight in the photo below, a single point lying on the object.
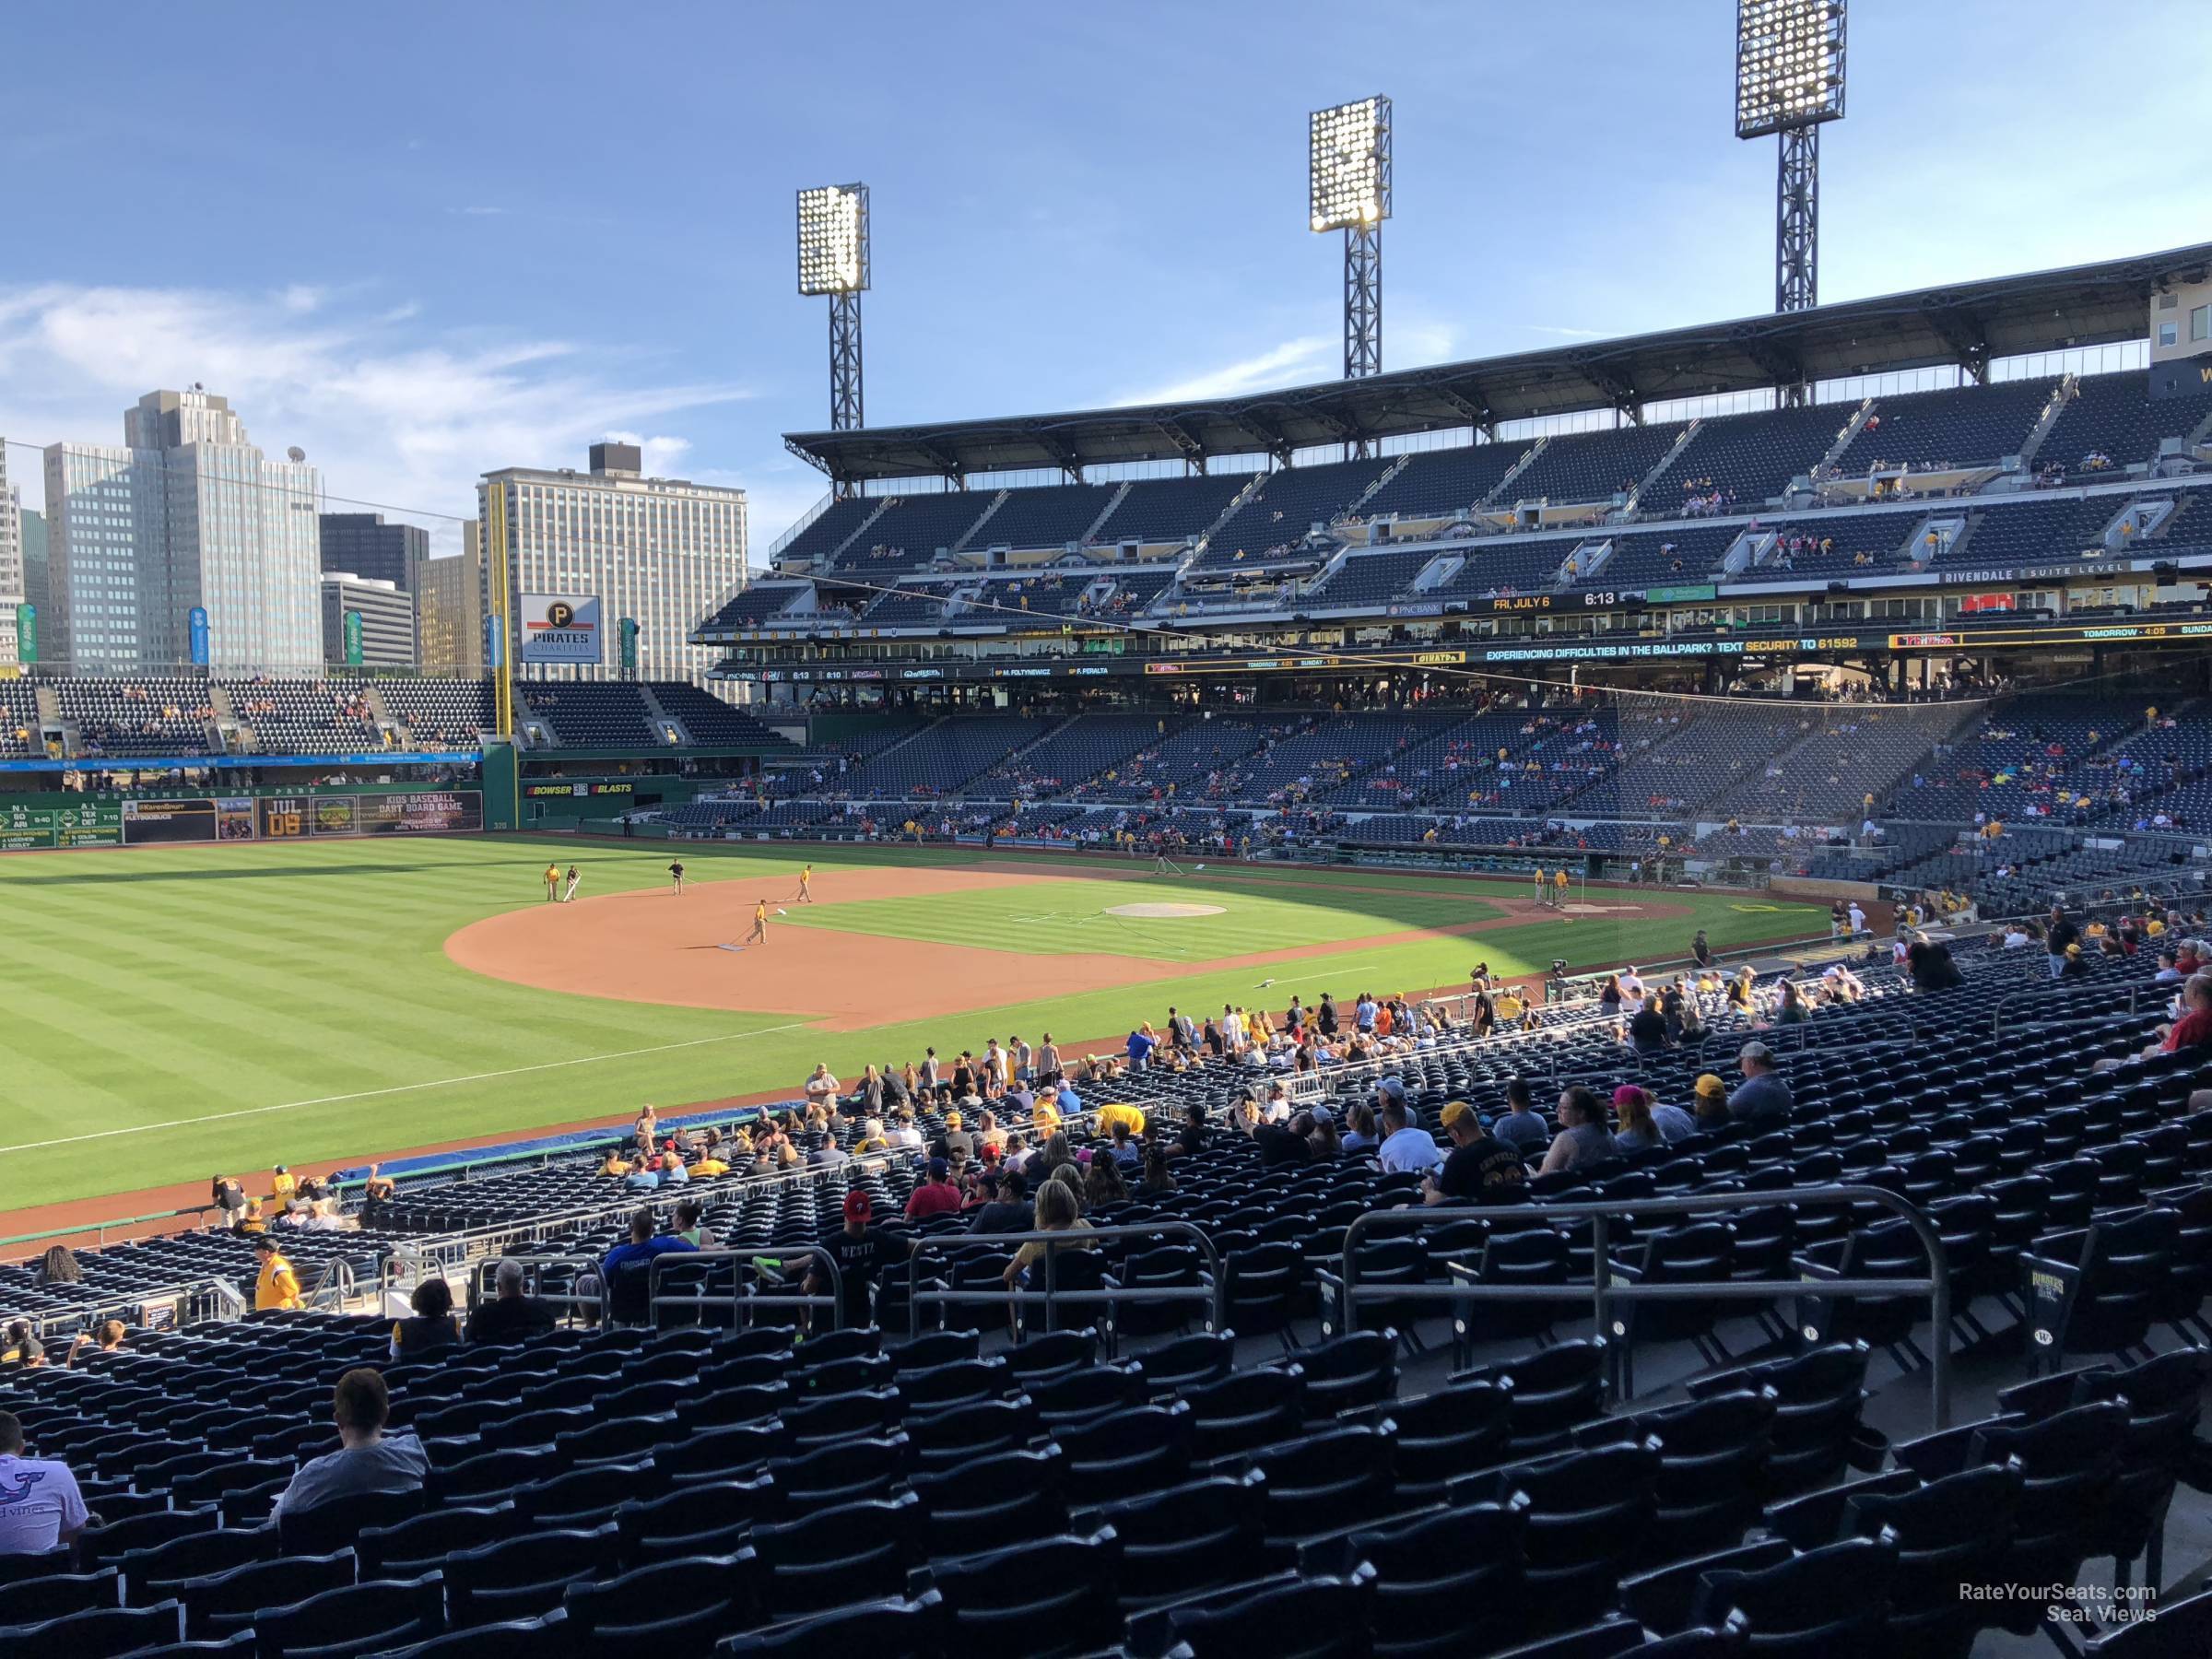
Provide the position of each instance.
(1788, 65)
(833, 260)
(1348, 165)
(833, 239)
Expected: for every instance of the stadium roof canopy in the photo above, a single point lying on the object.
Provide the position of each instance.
(1966, 323)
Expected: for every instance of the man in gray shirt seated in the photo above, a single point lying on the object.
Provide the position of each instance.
(368, 1460)
(1762, 1098)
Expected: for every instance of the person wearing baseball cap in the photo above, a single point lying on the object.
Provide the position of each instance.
(936, 1195)
(862, 1251)
(275, 1286)
(1480, 1169)
(1762, 1098)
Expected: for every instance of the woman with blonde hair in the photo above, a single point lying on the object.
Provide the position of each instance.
(1058, 1210)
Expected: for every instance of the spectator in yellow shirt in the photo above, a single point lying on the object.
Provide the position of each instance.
(281, 1185)
(276, 1286)
(1130, 1117)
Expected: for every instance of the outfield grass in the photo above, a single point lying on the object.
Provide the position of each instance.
(165, 1013)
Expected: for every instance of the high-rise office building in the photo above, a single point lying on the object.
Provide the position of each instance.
(30, 526)
(11, 560)
(449, 609)
(187, 512)
(363, 544)
(387, 614)
(661, 551)
(11, 532)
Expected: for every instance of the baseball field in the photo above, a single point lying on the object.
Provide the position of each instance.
(165, 1014)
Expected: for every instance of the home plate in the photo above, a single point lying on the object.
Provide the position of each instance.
(1163, 913)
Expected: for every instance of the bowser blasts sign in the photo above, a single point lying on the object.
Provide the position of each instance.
(560, 628)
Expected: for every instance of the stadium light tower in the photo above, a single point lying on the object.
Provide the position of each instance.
(833, 260)
(1789, 79)
(1348, 190)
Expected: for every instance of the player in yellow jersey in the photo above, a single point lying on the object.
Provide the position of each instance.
(553, 882)
(760, 933)
(805, 887)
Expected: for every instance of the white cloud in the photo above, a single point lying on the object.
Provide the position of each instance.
(1564, 334)
(479, 212)
(389, 413)
(1290, 364)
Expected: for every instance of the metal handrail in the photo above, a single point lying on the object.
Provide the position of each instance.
(1317, 1083)
(117, 1303)
(655, 1300)
(1050, 1293)
(535, 1266)
(1603, 1292)
(2075, 995)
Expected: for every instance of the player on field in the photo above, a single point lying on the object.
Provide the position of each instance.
(574, 876)
(676, 874)
(760, 933)
(1541, 895)
(1558, 882)
(552, 882)
(805, 894)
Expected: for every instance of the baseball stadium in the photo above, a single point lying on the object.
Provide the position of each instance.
(1552, 1005)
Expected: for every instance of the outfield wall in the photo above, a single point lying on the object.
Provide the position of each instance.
(32, 823)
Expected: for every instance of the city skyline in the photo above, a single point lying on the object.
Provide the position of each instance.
(510, 291)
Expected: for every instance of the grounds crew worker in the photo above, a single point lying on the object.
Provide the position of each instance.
(277, 1286)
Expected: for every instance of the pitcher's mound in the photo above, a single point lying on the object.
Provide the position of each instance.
(1600, 909)
(1162, 913)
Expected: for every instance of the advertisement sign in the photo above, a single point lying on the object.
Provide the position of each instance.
(495, 643)
(628, 631)
(353, 638)
(27, 633)
(195, 626)
(92, 824)
(204, 818)
(560, 628)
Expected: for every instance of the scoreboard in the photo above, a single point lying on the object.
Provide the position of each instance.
(92, 824)
(199, 819)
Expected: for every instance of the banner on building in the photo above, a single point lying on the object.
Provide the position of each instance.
(27, 633)
(196, 627)
(495, 643)
(353, 638)
(560, 628)
(628, 630)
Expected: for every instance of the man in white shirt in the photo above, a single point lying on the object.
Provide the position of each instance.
(41, 1508)
(1405, 1147)
(1858, 920)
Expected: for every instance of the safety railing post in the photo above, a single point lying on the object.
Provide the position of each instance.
(668, 1262)
(1601, 1277)
(1606, 1295)
(1048, 1294)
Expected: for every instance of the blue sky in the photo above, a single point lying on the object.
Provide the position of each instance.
(425, 240)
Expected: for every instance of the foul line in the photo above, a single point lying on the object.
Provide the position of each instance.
(370, 1094)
